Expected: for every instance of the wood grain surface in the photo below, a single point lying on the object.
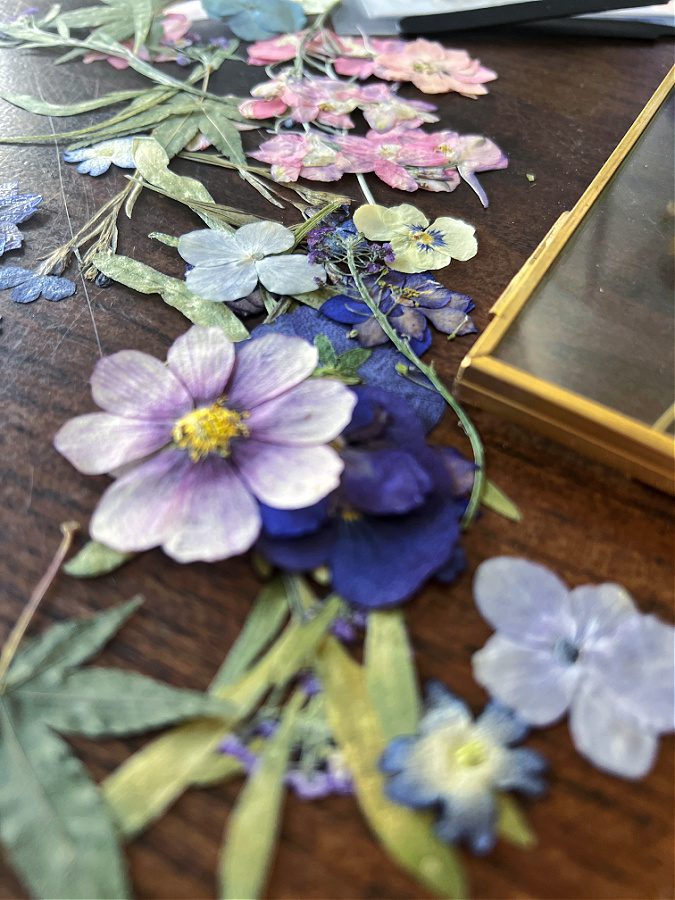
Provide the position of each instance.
(558, 109)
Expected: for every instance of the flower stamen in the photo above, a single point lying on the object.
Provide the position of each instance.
(209, 429)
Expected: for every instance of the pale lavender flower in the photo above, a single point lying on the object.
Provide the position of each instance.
(232, 428)
(587, 651)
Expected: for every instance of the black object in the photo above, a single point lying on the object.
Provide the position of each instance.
(511, 14)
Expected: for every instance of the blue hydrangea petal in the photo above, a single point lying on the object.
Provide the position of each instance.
(523, 771)
(291, 523)
(408, 788)
(27, 286)
(55, 288)
(443, 709)
(345, 309)
(10, 276)
(218, 9)
(428, 292)
(379, 562)
(397, 754)
(256, 22)
(14, 209)
(501, 725)
(384, 482)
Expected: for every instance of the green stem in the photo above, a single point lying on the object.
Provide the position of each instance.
(403, 346)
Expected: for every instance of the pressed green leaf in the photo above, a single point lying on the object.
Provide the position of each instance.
(217, 768)
(390, 672)
(132, 125)
(253, 826)
(327, 355)
(406, 835)
(175, 133)
(142, 14)
(68, 644)
(90, 16)
(219, 130)
(261, 627)
(43, 108)
(97, 702)
(147, 783)
(146, 280)
(95, 559)
(512, 824)
(167, 239)
(53, 822)
(317, 298)
(496, 500)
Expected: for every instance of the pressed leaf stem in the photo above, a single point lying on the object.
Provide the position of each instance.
(365, 190)
(68, 530)
(429, 372)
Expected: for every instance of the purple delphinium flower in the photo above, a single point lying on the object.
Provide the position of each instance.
(14, 209)
(410, 302)
(27, 286)
(233, 428)
(329, 240)
(588, 651)
(458, 766)
(393, 522)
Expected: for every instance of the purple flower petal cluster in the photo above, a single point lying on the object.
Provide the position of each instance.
(458, 766)
(205, 437)
(328, 242)
(14, 209)
(411, 303)
(587, 651)
(392, 523)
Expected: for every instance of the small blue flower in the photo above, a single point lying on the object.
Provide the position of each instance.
(256, 20)
(28, 286)
(98, 158)
(457, 766)
(410, 302)
(14, 209)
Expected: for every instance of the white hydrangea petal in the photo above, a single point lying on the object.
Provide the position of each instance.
(529, 681)
(524, 601)
(206, 247)
(598, 610)
(230, 281)
(264, 238)
(607, 735)
(290, 274)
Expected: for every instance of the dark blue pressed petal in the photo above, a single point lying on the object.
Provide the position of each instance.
(300, 554)
(384, 482)
(459, 470)
(26, 292)
(380, 561)
(10, 276)
(453, 567)
(398, 422)
(421, 345)
(345, 309)
(293, 522)
(56, 288)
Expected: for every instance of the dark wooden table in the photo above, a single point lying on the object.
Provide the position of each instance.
(558, 109)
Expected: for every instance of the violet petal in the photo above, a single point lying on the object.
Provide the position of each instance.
(131, 383)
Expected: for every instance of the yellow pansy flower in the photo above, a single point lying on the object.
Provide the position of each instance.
(417, 245)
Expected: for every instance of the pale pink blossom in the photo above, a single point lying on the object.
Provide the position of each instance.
(465, 154)
(358, 56)
(284, 47)
(434, 69)
(388, 155)
(310, 156)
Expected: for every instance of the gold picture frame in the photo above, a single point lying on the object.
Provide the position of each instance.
(642, 450)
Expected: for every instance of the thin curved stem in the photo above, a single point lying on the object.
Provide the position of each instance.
(429, 372)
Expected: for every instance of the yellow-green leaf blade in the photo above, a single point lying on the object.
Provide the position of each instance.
(391, 677)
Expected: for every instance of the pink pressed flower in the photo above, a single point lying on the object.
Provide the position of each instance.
(383, 109)
(205, 437)
(174, 27)
(285, 47)
(357, 57)
(294, 156)
(304, 100)
(470, 153)
(387, 155)
(434, 69)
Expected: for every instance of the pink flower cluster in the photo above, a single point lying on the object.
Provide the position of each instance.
(403, 159)
(432, 68)
(329, 102)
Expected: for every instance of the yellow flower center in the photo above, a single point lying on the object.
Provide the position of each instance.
(471, 754)
(350, 515)
(428, 68)
(423, 237)
(209, 429)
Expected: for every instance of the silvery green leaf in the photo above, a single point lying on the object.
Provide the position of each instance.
(99, 702)
(68, 644)
(317, 297)
(390, 673)
(95, 559)
(327, 355)
(219, 130)
(253, 826)
(496, 500)
(142, 14)
(512, 824)
(175, 133)
(130, 125)
(146, 280)
(43, 108)
(57, 830)
(167, 239)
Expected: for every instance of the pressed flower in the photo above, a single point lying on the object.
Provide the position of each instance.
(168, 31)
(331, 240)
(587, 651)
(230, 427)
(98, 158)
(14, 209)
(433, 68)
(384, 110)
(393, 522)
(358, 55)
(458, 766)
(255, 20)
(417, 245)
(286, 46)
(388, 155)
(27, 286)
(410, 302)
(310, 156)
(470, 153)
(229, 266)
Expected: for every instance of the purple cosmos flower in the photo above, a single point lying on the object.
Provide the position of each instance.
(587, 651)
(14, 209)
(232, 428)
(458, 766)
(410, 302)
(393, 522)
(27, 286)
